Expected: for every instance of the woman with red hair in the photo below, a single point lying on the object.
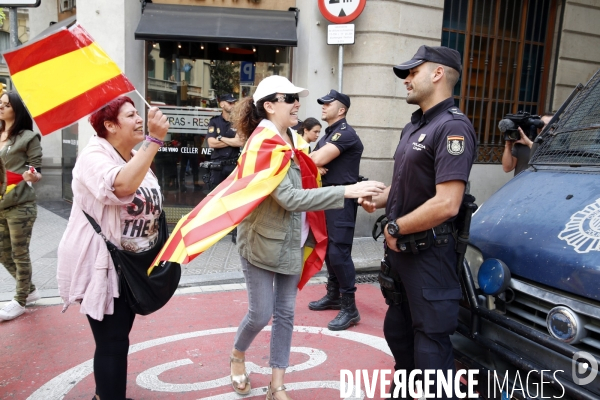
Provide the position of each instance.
(115, 186)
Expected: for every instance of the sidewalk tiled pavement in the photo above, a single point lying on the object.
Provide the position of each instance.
(219, 264)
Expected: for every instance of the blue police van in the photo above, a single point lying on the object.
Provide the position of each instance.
(530, 314)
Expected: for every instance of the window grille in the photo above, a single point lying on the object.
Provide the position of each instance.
(505, 47)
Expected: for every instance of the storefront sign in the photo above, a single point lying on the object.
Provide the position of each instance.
(189, 120)
(341, 11)
(340, 34)
(20, 3)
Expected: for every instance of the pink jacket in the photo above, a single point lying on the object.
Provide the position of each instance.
(85, 271)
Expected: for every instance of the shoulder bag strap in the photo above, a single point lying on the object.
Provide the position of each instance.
(96, 227)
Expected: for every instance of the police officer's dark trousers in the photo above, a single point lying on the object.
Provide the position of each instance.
(340, 229)
(418, 333)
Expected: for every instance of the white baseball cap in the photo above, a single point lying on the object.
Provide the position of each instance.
(276, 84)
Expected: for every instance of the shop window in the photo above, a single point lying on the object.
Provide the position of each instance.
(505, 47)
(185, 79)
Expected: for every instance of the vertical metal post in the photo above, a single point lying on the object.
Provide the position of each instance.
(14, 27)
(340, 67)
(178, 80)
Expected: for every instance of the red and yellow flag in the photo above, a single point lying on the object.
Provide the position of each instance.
(261, 168)
(64, 77)
(12, 180)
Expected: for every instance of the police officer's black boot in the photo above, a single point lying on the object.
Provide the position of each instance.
(331, 301)
(347, 316)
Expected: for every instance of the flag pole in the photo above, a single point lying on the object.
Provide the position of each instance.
(142, 97)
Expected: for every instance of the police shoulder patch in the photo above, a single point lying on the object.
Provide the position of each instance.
(455, 144)
(336, 136)
(211, 129)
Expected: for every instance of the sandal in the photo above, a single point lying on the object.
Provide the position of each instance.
(271, 393)
(237, 380)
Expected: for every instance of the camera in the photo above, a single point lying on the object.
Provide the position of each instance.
(529, 123)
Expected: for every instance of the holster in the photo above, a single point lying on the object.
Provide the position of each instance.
(391, 285)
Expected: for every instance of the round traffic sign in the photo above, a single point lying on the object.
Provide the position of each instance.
(341, 11)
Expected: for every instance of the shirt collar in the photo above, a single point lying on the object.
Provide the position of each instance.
(419, 118)
(335, 125)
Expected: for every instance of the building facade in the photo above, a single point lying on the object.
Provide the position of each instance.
(517, 54)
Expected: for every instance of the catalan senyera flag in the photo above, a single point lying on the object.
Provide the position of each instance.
(261, 167)
(64, 77)
(12, 180)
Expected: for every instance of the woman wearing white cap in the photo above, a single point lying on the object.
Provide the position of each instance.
(272, 236)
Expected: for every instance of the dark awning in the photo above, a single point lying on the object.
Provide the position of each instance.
(161, 22)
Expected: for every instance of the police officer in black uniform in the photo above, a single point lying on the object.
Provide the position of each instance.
(225, 144)
(337, 155)
(431, 168)
(223, 140)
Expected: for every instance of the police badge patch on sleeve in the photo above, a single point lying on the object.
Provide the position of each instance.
(335, 137)
(456, 145)
(211, 129)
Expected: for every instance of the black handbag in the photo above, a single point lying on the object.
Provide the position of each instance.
(144, 293)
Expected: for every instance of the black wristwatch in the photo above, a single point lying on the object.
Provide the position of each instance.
(393, 229)
(219, 138)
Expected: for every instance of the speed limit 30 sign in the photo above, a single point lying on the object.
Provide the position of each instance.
(341, 11)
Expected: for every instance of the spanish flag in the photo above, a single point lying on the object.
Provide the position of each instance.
(64, 77)
(12, 180)
(261, 167)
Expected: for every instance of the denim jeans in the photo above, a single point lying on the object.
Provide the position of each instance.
(269, 294)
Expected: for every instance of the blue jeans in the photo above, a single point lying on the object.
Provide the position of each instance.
(269, 294)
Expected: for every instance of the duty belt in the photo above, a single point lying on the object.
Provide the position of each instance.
(230, 161)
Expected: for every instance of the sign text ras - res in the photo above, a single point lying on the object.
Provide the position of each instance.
(201, 122)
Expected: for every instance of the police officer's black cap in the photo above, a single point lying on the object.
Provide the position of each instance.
(335, 95)
(228, 97)
(440, 55)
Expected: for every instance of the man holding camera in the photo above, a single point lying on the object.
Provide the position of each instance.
(431, 168)
(518, 152)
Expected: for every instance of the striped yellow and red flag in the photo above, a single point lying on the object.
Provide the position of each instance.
(64, 77)
(12, 180)
(261, 168)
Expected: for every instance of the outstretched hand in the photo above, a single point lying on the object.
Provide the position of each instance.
(364, 189)
(367, 203)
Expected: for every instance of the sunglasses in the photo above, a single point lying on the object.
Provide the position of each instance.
(288, 98)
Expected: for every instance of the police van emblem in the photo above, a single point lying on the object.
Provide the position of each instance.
(422, 137)
(335, 137)
(455, 145)
(583, 229)
(211, 129)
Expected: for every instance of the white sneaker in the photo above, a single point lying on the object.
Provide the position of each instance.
(33, 297)
(11, 311)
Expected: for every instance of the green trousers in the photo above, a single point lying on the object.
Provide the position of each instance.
(16, 224)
